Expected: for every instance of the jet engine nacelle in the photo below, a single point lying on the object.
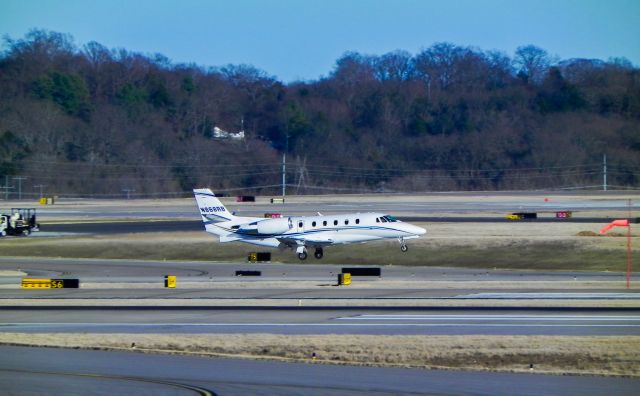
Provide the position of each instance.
(273, 226)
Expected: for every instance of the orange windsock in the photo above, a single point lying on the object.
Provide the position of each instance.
(615, 223)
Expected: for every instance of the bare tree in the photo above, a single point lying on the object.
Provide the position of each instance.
(532, 63)
(394, 66)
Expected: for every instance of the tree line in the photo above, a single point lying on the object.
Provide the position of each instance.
(93, 121)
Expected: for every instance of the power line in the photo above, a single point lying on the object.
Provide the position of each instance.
(6, 187)
(41, 186)
(145, 166)
(456, 170)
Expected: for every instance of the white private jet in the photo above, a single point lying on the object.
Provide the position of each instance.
(301, 232)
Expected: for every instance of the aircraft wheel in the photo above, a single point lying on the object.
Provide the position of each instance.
(26, 232)
(318, 254)
(302, 256)
(404, 248)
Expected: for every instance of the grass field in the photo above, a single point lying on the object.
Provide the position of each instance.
(618, 356)
(475, 245)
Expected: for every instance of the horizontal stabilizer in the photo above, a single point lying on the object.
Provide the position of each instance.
(229, 238)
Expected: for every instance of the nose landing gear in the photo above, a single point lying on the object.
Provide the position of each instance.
(318, 253)
(302, 252)
(403, 246)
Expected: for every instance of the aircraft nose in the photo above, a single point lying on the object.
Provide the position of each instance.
(417, 230)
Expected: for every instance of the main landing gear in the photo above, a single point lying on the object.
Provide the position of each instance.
(403, 246)
(302, 253)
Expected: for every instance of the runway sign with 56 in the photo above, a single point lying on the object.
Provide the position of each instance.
(36, 283)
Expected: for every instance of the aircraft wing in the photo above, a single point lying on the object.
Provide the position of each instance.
(307, 240)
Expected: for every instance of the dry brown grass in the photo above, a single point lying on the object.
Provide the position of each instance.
(601, 355)
(477, 245)
(587, 234)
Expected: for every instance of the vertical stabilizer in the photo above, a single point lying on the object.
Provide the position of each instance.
(211, 209)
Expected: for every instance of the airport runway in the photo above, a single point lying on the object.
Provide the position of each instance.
(112, 302)
(319, 320)
(401, 205)
(126, 279)
(63, 371)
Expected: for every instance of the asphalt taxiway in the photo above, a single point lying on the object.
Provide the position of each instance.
(128, 296)
(475, 204)
(111, 271)
(63, 371)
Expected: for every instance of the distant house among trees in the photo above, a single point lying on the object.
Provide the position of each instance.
(220, 134)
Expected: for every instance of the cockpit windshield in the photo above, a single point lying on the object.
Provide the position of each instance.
(390, 219)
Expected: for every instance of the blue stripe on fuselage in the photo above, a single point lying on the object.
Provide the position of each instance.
(261, 236)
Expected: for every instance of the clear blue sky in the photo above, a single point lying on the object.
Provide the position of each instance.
(303, 39)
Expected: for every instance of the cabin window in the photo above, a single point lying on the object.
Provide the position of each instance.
(324, 223)
(357, 221)
(346, 222)
(313, 224)
(335, 222)
(300, 224)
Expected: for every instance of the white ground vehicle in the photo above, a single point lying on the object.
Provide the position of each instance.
(20, 221)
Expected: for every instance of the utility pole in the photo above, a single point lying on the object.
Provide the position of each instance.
(302, 176)
(41, 186)
(6, 187)
(128, 191)
(19, 179)
(284, 169)
(604, 172)
(629, 260)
